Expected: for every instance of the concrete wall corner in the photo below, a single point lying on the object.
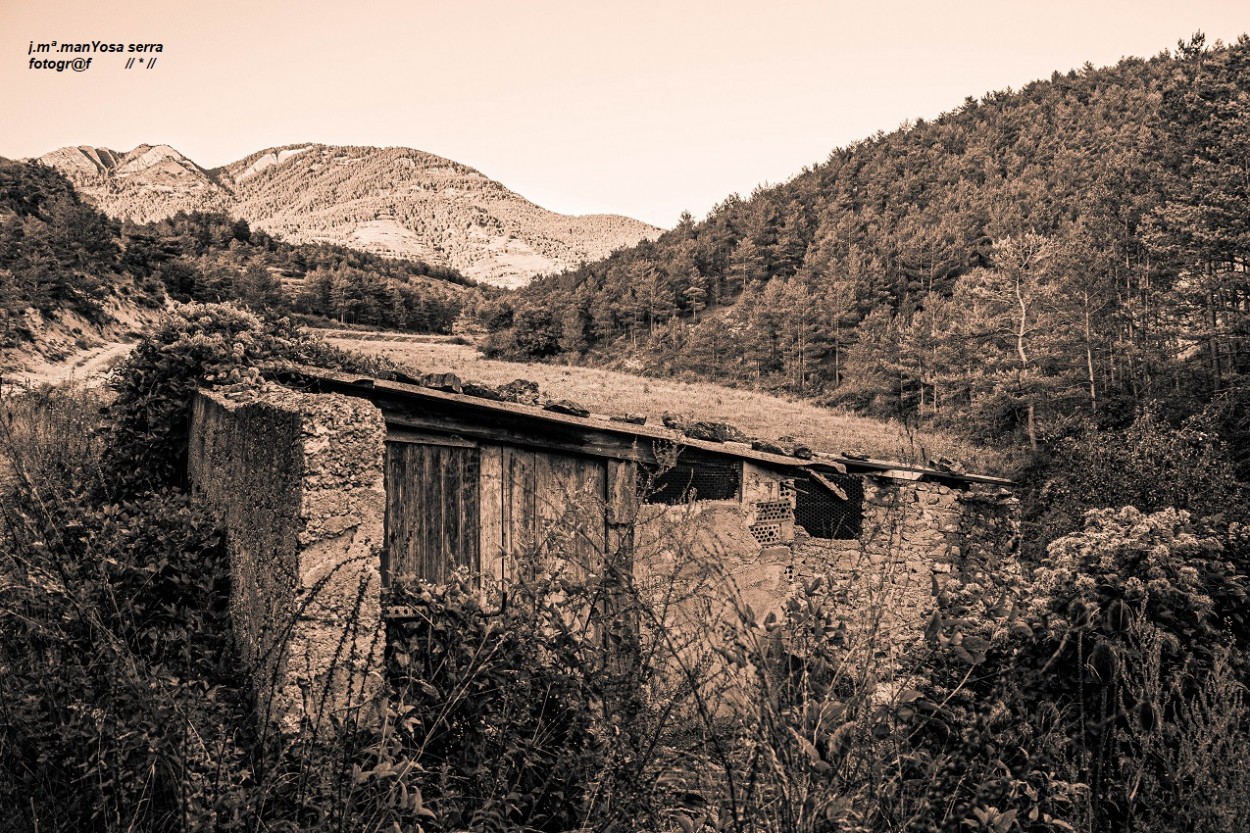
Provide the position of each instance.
(296, 480)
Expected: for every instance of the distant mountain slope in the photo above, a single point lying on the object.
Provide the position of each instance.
(71, 276)
(1077, 248)
(396, 202)
(148, 183)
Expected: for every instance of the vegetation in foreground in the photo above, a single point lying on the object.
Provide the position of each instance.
(1099, 686)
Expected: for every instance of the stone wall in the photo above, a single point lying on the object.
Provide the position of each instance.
(296, 480)
(917, 537)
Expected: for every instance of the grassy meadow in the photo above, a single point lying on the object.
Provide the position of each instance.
(611, 392)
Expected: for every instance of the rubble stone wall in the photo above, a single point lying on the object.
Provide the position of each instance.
(917, 537)
(296, 480)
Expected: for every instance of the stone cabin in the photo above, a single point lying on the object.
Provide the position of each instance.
(330, 486)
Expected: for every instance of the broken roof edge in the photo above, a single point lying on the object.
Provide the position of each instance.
(369, 387)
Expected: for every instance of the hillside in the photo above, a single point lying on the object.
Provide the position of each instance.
(610, 392)
(395, 202)
(1076, 249)
(72, 278)
(148, 183)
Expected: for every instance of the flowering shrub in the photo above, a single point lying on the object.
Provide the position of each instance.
(1162, 568)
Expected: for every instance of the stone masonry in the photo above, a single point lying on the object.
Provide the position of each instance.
(296, 480)
(917, 537)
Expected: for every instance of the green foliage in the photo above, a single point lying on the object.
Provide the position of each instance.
(834, 735)
(1173, 573)
(212, 258)
(199, 345)
(1134, 620)
(358, 296)
(119, 686)
(496, 705)
(55, 252)
(535, 333)
(1149, 465)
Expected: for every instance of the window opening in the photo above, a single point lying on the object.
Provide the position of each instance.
(825, 515)
(693, 478)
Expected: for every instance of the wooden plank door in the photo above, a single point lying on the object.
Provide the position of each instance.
(432, 510)
(539, 502)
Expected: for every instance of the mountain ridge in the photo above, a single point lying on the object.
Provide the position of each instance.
(393, 201)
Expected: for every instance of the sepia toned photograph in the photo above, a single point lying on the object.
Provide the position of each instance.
(660, 417)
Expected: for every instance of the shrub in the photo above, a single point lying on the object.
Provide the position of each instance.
(845, 732)
(121, 703)
(199, 345)
(118, 676)
(496, 705)
(1133, 620)
(1150, 465)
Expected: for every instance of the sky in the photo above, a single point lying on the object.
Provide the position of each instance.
(639, 107)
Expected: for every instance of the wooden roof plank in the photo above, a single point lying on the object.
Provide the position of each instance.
(827, 483)
(587, 435)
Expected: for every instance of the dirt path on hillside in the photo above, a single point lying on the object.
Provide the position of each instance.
(87, 367)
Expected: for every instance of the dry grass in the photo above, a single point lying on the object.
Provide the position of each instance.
(610, 392)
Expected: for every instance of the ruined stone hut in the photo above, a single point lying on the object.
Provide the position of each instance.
(331, 486)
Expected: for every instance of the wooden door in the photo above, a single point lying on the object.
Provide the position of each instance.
(541, 503)
(432, 510)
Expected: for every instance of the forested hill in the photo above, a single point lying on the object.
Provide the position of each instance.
(58, 254)
(1075, 248)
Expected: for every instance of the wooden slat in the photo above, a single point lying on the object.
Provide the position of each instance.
(393, 488)
(426, 511)
(410, 435)
(467, 511)
(593, 539)
(448, 479)
(554, 501)
(547, 487)
(528, 482)
(828, 484)
(505, 501)
(556, 482)
(432, 501)
(519, 486)
(470, 510)
(490, 508)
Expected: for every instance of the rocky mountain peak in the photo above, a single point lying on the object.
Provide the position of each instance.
(394, 201)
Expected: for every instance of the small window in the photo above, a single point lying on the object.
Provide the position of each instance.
(826, 515)
(693, 478)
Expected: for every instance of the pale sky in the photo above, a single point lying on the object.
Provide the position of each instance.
(643, 108)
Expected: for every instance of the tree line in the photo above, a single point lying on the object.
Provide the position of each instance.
(59, 253)
(1074, 249)
(211, 258)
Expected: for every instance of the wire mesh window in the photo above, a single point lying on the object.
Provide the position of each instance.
(825, 515)
(693, 477)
